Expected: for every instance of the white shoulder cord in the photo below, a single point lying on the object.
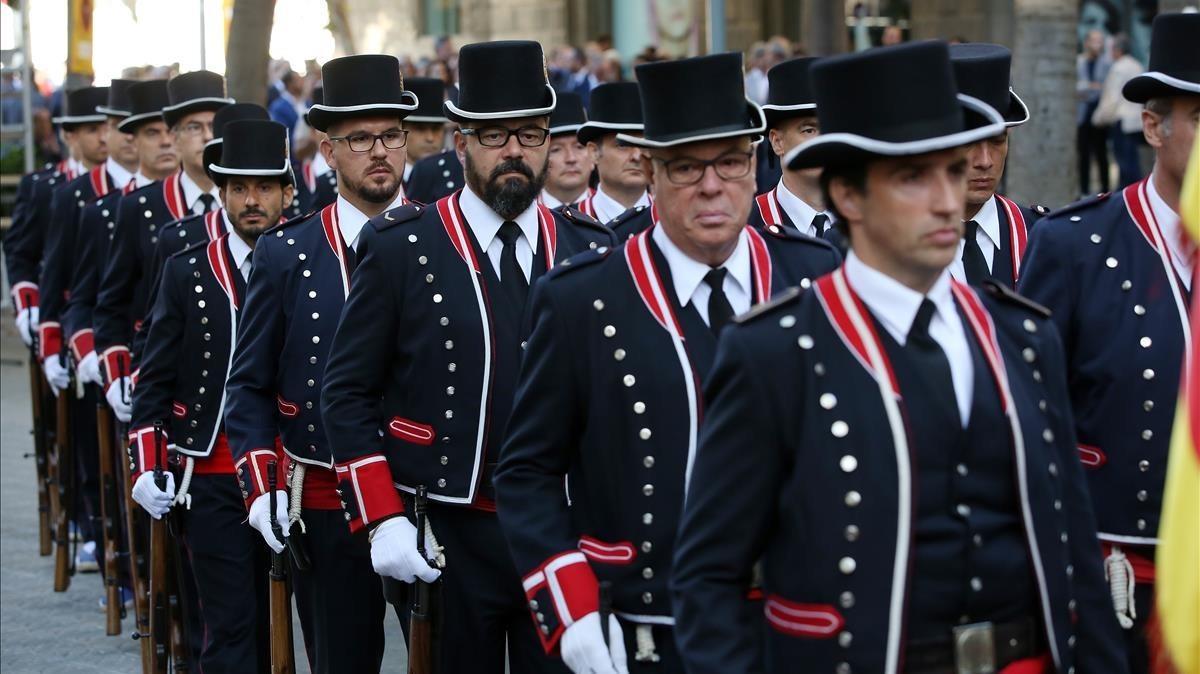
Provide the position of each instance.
(647, 651)
(1121, 582)
(182, 496)
(296, 495)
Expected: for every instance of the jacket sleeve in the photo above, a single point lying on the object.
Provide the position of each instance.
(360, 360)
(154, 394)
(77, 315)
(735, 483)
(56, 269)
(542, 444)
(23, 241)
(110, 318)
(251, 415)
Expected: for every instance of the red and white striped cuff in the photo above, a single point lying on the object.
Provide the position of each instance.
(142, 450)
(50, 339)
(25, 295)
(561, 591)
(116, 362)
(252, 473)
(367, 491)
(82, 343)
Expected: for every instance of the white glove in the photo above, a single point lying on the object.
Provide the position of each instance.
(150, 497)
(394, 552)
(88, 369)
(583, 648)
(260, 517)
(27, 322)
(123, 409)
(56, 374)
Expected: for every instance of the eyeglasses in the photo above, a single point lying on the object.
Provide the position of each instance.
(196, 128)
(688, 171)
(497, 136)
(365, 142)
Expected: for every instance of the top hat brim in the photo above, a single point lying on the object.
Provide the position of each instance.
(427, 119)
(76, 120)
(173, 113)
(591, 131)
(1017, 113)
(778, 113)
(321, 116)
(131, 123)
(754, 125)
(982, 121)
(459, 115)
(565, 129)
(112, 112)
(1156, 85)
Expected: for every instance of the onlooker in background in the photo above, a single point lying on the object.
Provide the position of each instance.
(445, 52)
(289, 108)
(441, 70)
(1123, 118)
(891, 35)
(1091, 68)
(611, 69)
(276, 69)
(756, 76)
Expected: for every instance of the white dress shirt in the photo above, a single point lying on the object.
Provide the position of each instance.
(351, 220)
(688, 275)
(320, 167)
(1168, 223)
(798, 210)
(140, 180)
(120, 175)
(987, 237)
(895, 305)
(192, 192)
(408, 167)
(76, 166)
(608, 208)
(551, 201)
(239, 250)
(485, 225)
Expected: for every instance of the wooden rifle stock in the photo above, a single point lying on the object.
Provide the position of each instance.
(41, 448)
(159, 592)
(108, 520)
(283, 652)
(135, 527)
(64, 471)
(421, 619)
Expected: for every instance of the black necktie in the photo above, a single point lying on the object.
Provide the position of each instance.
(719, 309)
(818, 223)
(974, 266)
(512, 277)
(930, 359)
(208, 201)
(351, 260)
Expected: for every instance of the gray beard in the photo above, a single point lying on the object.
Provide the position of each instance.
(511, 197)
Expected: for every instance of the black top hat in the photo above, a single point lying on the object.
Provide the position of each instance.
(430, 92)
(83, 106)
(614, 107)
(1174, 60)
(118, 104)
(316, 98)
(358, 86)
(568, 114)
(253, 147)
(194, 92)
(695, 99)
(870, 104)
(981, 71)
(146, 102)
(789, 91)
(499, 80)
(230, 113)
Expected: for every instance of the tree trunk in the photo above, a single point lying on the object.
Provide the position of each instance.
(824, 27)
(248, 52)
(1042, 165)
(339, 25)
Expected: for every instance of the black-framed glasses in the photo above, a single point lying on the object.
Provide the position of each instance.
(365, 142)
(497, 136)
(688, 171)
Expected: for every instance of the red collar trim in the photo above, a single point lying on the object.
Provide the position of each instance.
(760, 265)
(1137, 203)
(99, 179)
(223, 269)
(213, 225)
(455, 224)
(649, 283)
(310, 178)
(768, 207)
(1018, 232)
(173, 195)
(333, 236)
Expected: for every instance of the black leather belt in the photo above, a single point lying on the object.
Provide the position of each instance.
(977, 648)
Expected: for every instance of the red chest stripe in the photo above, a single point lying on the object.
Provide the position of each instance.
(333, 235)
(649, 283)
(212, 224)
(844, 309)
(768, 207)
(222, 267)
(1018, 231)
(99, 179)
(173, 195)
(1137, 203)
(455, 224)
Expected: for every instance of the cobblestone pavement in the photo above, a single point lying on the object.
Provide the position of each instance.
(63, 633)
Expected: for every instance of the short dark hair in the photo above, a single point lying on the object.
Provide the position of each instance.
(855, 175)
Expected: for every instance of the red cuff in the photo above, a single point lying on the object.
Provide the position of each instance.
(82, 343)
(252, 473)
(367, 491)
(49, 339)
(25, 296)
(561, 591)
(116, 362)
(142, 450)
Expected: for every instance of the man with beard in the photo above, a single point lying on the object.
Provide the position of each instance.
(196, 310)
(616, 107)
(569, 166)
(428, 350)
(620, 350)
(995, 228)
(302, 274)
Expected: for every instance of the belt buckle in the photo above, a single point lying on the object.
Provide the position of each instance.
(975, 649)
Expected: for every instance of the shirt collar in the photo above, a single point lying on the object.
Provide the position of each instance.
(319, 166)
(485, 222)
(239, 250)
(688, 273)
(893, 303)
(192, 191)
(120, 176)
(76, 166)
(988, 218)
(141, 180)
(608, 204)
(1168, 219)
(351, 220)
(797, 209)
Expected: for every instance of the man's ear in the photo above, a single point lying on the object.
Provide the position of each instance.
(289, 194)
(847, 198)
(326, 150)
(1153, 128)
(776, 139)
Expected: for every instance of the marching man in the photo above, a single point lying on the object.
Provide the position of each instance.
(614, 107)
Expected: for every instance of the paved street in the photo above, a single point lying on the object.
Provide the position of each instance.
(44, 631)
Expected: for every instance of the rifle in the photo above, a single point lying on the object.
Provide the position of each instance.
(159, 609)
(283, 652)
(177, 637)
(421, 618)
(108, 519)
(64, 470)
(134, 525)
(41, 450)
